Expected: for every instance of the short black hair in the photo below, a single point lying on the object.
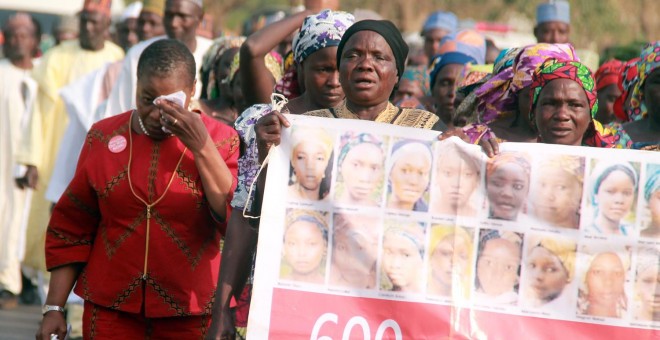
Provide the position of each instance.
(166, 56)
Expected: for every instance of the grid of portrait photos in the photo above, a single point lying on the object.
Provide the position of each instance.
(536, 230)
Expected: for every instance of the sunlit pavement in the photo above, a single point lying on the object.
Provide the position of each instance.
(20, 323)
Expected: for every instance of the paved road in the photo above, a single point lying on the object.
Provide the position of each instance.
(20, 323)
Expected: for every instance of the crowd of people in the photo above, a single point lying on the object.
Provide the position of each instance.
(127, 167)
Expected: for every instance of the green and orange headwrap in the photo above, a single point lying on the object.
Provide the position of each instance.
(552, 69)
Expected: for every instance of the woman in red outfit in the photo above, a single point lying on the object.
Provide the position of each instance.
(138, 229)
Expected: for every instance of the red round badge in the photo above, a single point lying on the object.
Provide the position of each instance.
(117, 144)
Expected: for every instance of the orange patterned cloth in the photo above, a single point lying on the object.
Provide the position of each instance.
(101, 223)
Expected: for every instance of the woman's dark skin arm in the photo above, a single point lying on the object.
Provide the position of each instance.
(61, 282)
(256, 83)
(269, 132)
(241, 239)
(240, 243)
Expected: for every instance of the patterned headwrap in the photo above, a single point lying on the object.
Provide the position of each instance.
(608, 73)
(653, 181)
(349, 140)
(418, 74)
(552, 69)
(627, 79)
(520, 158)
(650, 61)
(472, 75)
(248, 162)
(412, 231)
(468, 42)
(311, 216)
(611, 136)
(603, 169)
(468, 107)
(320, 30)
(505, 59)
(563, 249)
(273, 64)
(498, 97)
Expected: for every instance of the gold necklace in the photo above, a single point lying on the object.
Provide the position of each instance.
(148, 205)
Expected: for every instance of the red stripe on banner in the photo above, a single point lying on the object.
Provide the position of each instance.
(315, 316)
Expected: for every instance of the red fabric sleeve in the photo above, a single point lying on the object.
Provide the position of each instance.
(75, 218)
(229, 152)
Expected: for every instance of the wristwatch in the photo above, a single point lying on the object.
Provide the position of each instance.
(49, 308)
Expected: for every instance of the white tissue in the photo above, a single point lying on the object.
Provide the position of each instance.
(178, 98)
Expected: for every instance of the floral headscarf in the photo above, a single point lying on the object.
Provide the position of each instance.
(650, 60)
(498, 96)
(552, 69)
(597, 135)
(468, 107)
(627, 79)
(472, 75)
(320, 30)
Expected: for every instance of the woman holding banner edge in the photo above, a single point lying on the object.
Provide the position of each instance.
(368, 77)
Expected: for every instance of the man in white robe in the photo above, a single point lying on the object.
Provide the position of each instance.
(60, 66)
(17, 92)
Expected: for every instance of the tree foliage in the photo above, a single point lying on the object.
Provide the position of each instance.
(596, 24)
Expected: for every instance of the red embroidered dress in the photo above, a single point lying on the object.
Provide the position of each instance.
(100, 222)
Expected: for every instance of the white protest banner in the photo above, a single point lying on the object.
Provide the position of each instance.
(373, 231)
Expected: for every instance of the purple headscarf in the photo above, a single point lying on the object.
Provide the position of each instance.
(498, 96)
